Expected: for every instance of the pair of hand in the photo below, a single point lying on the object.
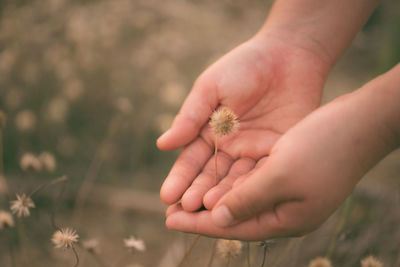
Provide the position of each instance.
(280, 174)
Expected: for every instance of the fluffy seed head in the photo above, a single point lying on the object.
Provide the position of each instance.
(30, 162)
(224, 122)
(320, 262)
(25, 120)
(48, 161)
(229, 248)
(6, 219)
(133, 243)
(21, 206)
(124, 105)
(371, 261)
(65, 238)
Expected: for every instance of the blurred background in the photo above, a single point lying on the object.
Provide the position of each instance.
(93, 83)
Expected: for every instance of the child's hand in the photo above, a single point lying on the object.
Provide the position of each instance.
(309, 172)
(269, 84)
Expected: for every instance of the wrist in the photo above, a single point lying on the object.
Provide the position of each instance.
(294, 53)
(380, 98)
(300, 42)
(386, 91)
(323, 27)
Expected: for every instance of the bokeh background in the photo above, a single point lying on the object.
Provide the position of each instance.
(95, 82)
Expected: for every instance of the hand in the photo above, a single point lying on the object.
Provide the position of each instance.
(270, 84)
(309, 172)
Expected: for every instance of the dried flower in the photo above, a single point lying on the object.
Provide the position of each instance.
(133, 243)
(6, 219)
(124, 105)
(21, 206)
(65, 238)
(371, 261)
(3, 119)
(48, 161)
(30, 162)
(224, 122)
(73, 89)
(57, 109)
(229, 248)
(320, 262)
(91, 245)
(25, 120)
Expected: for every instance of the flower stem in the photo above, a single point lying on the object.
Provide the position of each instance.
(215, 159)
(95, 166)
(3, 179)
(339, 228)
(264, 255)
(76, 257)
(189, 251)
(212, 253)
(248, 254)
(42, 186)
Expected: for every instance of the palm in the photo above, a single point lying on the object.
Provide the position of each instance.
(270, 88)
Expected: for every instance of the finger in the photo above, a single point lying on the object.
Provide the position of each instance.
(257, 228)
(193, 115)
(242, 178)
(189, 163)
(172, 209)
(192, 199)
(261, 191)
(239, 168)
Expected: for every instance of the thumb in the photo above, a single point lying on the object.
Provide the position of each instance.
(194, 113)
(259, 192)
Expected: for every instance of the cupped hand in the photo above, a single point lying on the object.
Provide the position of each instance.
(311, 169)
(270, 85)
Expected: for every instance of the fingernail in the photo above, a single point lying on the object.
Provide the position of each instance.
(222, 216)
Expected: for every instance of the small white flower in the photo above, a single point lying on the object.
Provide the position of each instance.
(48, 161)
(6, 219)
(21, 206)
(320, 262)
(30, 162)
(25, 120)
(371, 261)
(229, 248)
(124, 105)
(65, 238)
(133, 243)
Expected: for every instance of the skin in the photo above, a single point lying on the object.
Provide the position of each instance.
(271, 82)
(266, 95)
(310, 170)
